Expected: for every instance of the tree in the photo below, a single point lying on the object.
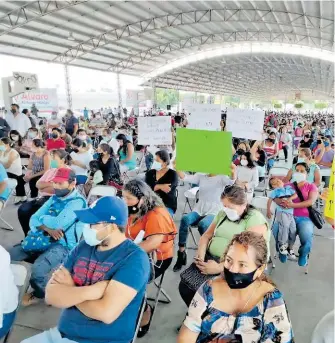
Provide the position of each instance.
(166, 97)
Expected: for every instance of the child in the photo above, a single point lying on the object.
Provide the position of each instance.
(283, 216)
(95, 176)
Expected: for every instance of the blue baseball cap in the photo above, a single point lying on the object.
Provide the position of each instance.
(107, 210)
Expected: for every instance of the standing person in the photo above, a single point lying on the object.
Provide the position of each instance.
(11, 161)
(9, 294)
(241, 304)
(39, 163)
(152, 228)
(71, 124)
(247, 174)
(81, 158)
(260, 159)
(285, 140)
(205, 210)
(85, 113)
(126, 153)
(55, 142)
(59, 159)
(101, 285)
(18, 121)
(164, 181)
(324, 157)
(30, 117)
(4, 127)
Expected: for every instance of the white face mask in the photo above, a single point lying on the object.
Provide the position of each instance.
(299, 177)
(15, 138)
(156, 165)
(231, 214)
(244, 163)
(82, 137)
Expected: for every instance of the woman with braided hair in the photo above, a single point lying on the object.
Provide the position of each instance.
(150, 226)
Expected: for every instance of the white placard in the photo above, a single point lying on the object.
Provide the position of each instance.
(204, 116)
(154, 131)
(245, 123)
(24, 82)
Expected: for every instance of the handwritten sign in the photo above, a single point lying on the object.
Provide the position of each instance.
(204, 116)
(197, 151)
(24, 82)
(329, 207)
(245, 123)
(154, 131)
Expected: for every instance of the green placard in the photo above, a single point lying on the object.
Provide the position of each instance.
(204, 151)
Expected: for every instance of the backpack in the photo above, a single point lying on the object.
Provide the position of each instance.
(40, 241)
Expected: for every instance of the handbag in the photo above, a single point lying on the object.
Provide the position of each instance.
(314, 215)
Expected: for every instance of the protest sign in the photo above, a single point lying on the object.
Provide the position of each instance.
(204, 116)
(154, 131)
(204, 151)
(245, 123)
(329, 206)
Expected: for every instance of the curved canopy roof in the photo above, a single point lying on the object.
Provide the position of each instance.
(139, 37)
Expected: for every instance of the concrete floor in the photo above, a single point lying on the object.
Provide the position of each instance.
(308, 297)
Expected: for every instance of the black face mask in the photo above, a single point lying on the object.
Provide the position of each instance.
(307, 136)
(319, 141)
(133, 209)
(60, 193)
(238, 280)
(240, 151)
(54, 136)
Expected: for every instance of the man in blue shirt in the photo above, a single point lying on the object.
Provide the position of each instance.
(56, 219)
(71, 124)
(102, 283)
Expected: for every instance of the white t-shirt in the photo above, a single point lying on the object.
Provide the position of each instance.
(84, 158)
(9, 293)
(55, 122)
(16, 166)
(20, 122)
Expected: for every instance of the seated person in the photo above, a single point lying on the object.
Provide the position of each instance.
(9, 294)
(54, 122)
(283, 216)
(17, 142)
(4, 187)
(324, 157)
(95, 177)
(242, 304)
(82, 135)
(235, 217)
(27, 144)
(80, 159)
(59, 159)
(210, 188)
(102, 283)
(57, 222)
(55, 142)
(271, 149)
(126, 153)
(163, 180)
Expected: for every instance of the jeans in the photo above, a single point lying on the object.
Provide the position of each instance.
(7, 322)
(149, 159)
(26, 210)
(171, 211)
(193, 218)
(285, 149)
(270, 164)
(45, 264)
(50, 336)
(305, 229)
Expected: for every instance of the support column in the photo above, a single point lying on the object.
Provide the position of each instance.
(154, 95)
(119, 91)
(195, 97)
(68, 87)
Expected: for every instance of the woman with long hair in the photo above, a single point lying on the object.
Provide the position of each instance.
(108, 164)
(126, 153)
(241, 304)
(81, 159)
(152, 228)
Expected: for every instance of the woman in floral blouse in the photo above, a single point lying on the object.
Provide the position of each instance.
(242, 305)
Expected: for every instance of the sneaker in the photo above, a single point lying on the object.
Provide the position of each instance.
(30, 299)
(285, 161)
(283, 249)
(291, 254)
(19, 200)
(302, 261)
(181, 261)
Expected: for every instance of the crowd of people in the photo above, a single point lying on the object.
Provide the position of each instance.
(95, 260)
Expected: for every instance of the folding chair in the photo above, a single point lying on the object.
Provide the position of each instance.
(102, 191)
(21, 272)
(139, 318)
(260, 203)
(11, 183)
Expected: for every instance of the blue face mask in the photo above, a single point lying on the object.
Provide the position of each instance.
(326, 144)
(53, 164)
(301, 159)
(156, 165)
(90, 236)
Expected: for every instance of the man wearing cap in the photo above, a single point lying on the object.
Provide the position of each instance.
(102, 283)
(57, 219)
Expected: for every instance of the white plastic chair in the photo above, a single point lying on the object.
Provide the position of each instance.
(11, 184)
(325, 172)
(260, 203)
(102, 191)
(21, 272)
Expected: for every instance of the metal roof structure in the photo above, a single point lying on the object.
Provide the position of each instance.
(138, 37)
